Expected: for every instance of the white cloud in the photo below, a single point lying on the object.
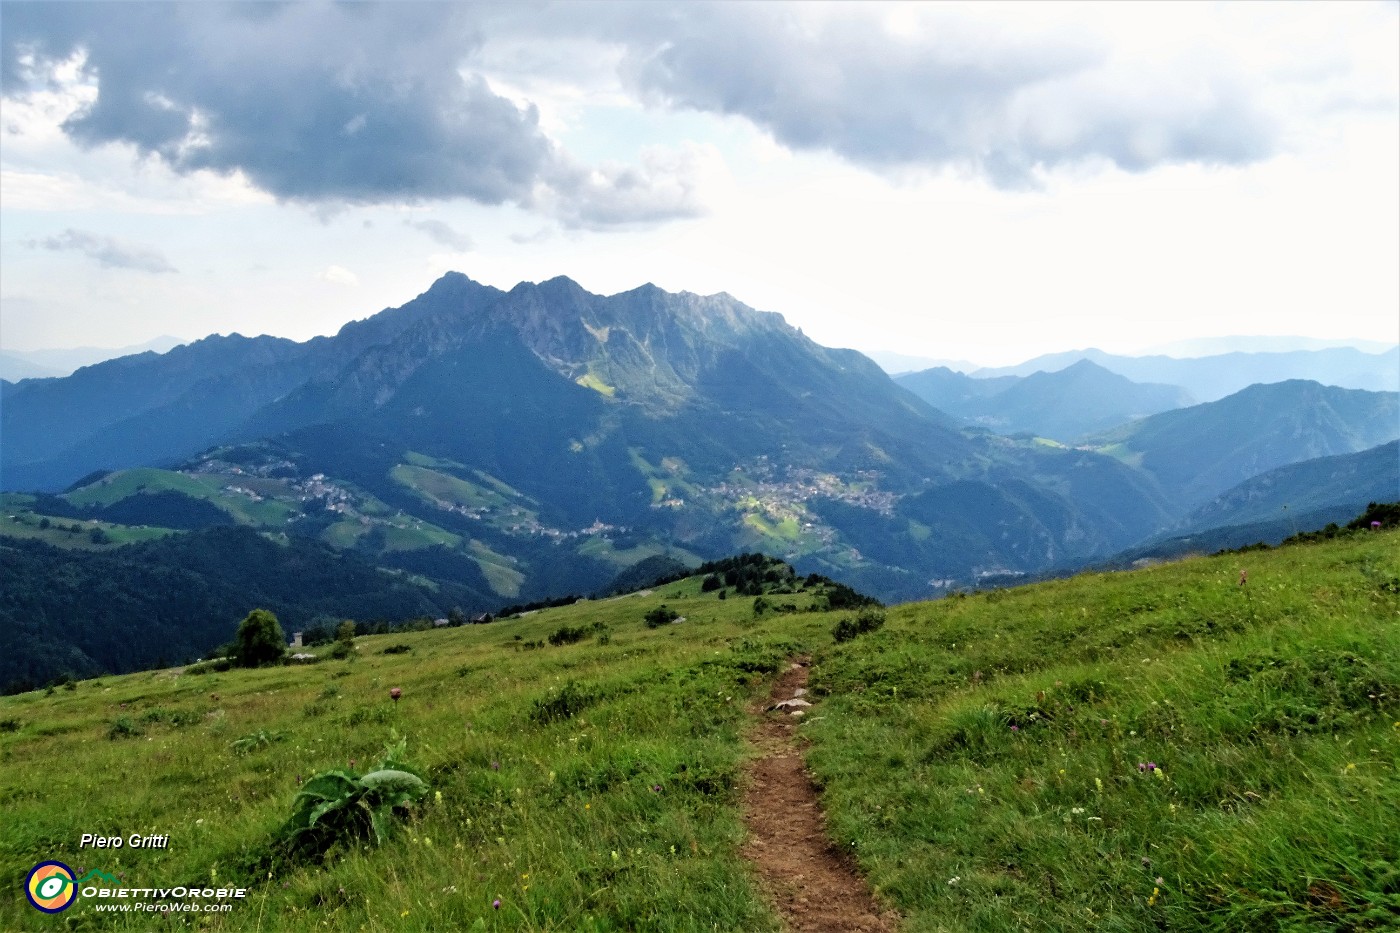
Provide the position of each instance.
(340, 276)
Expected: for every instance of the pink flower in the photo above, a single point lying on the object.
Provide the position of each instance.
(395, 693)
(496, 903)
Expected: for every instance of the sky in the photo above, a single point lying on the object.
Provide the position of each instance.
(957, 181)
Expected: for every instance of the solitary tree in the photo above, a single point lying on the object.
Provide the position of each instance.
(260, 640)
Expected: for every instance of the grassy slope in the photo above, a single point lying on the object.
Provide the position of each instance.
(1270, 710)
(1279, 807)
(568, 833)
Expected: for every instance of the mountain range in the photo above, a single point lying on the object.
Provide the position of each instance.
(45, 364)
(1208, 378)
(520, 444)
(1083, 398)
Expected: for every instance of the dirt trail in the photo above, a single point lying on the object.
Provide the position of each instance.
(809, 880)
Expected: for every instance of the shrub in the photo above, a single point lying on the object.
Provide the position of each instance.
(397, 649)
(841, 596)
(260, 640)
(660, 616)
(123, 728)
(868, 620)
(568, 635)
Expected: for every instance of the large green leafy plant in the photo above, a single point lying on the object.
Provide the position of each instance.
(345, 807)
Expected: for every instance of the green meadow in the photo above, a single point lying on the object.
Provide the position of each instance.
(1163, 749)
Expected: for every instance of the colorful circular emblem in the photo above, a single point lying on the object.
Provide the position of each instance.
(50, 887)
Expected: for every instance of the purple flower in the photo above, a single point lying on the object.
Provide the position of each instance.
(1141, 766)
(1015, 728)
(496, 903)
(1152, 766)
(656, 788)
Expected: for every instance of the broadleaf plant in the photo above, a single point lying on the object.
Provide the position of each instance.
(344, 807)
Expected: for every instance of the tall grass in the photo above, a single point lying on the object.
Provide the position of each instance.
(1156, 750)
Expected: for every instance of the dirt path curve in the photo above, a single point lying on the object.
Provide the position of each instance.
(811, 883)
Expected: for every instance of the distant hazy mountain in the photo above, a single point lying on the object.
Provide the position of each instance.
(1081, 399)
(1214, 346)
(37, 364)
(1210, 378)
(14, 367)
(552, 437)
(1199, 452)
(895, 363)
(1327, 488)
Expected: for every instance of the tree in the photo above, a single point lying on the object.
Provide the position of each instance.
(260, 640)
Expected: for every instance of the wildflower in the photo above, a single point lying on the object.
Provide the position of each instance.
(1141, 767)
(495, 766)
(954, 880)
(395, 693)
(1077, 811)
(1098, 784)
(1015, 728)
(496, 903)
(437, 796)
(615, 855)
(656, 788)
(1153, 899)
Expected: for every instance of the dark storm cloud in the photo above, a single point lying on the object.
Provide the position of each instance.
(344, 104)
(376, 103)
(111, 253)
(352, 103)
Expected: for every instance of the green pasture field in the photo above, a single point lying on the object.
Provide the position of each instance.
(978, 757)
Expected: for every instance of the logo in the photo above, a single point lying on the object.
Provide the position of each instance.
(51, 887)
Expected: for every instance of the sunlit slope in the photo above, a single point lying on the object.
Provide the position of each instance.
(1166, 749)
(591, 784)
